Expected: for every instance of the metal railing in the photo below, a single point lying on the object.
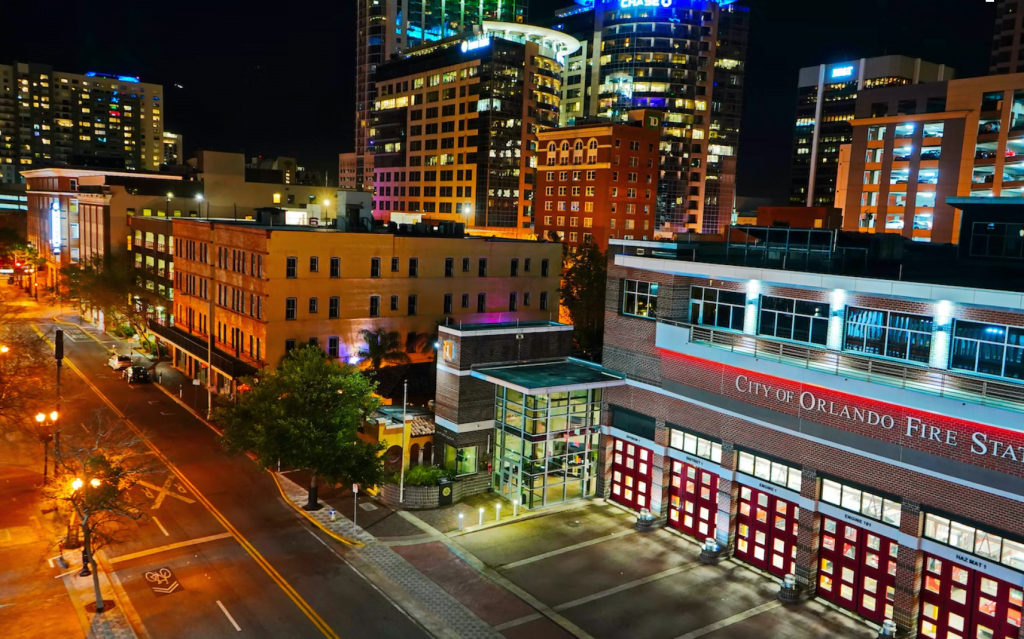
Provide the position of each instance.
(921, 379)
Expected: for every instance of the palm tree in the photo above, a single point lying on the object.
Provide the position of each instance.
(382, 346)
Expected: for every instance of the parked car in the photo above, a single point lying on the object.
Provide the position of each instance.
(930, 155)
(138, 375)
(119, 362)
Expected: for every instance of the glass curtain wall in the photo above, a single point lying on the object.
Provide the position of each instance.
(545, 446)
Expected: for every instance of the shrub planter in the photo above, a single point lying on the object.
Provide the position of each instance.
(415, 496)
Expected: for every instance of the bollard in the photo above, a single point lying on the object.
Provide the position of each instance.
(334, 515)
(888, 629)
(497, 512)
(181, 389)
(515, 507)
(460, 521)
(481, 516)
(789, 593)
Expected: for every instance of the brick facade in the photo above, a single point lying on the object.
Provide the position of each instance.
(783, 418)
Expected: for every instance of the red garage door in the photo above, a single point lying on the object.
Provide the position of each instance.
(693, 500)
(766, 531)
(958, 602)
(857, 569)
(631, 475)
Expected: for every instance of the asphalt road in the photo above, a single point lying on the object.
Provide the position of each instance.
(269, 569)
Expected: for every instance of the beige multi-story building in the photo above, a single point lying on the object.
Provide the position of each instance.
(454, 126)
(261, 288)
(917, 147)
(51, 118)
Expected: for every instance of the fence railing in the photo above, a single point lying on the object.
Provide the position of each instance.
(921, 379)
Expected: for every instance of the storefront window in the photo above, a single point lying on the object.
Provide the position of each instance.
(462, 461)
(860, 501)
(772, 471)
(714, 307)
(545, 446)
(896, 335)
(990, 349)
(695, 445)
(795, 320)
(640, 299)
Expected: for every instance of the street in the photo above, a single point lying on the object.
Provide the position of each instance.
(241, 556)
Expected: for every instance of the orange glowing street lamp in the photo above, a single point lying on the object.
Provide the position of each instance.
(45, 436)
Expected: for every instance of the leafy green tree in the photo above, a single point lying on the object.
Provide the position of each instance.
(583, 293)
(382, 347)
(110, 285)
(306, 414)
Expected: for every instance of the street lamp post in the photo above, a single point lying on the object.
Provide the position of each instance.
(76, 485)
(45, 436)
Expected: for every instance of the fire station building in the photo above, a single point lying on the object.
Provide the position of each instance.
(846, 410)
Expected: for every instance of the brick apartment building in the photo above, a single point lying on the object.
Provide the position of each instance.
(599, 181)
(262, 287)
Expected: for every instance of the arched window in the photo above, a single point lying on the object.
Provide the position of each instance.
(565, 146)
(393, 458)
(551, 146)
(414, 455)
(579, 145)
(593, 144)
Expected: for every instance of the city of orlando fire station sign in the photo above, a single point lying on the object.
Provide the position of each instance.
(936, 431)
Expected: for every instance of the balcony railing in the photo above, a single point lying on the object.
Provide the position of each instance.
(931, 381)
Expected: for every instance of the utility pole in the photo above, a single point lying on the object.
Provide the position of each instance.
(401, 461)
(209, 331)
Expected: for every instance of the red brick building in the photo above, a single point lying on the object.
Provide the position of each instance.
(863, 433)
(599, 180)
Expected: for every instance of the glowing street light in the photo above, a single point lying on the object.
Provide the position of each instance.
(77, 483)
(94, 482)
(4, 349)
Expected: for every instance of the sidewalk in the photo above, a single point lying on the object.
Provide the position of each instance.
(114, 622)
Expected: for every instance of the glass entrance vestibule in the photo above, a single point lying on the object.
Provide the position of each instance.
(545, 446)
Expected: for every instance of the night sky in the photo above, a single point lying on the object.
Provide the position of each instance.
(282, 83)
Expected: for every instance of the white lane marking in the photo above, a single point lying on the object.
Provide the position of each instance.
(228, 615)
(160, 526)
(180, 544)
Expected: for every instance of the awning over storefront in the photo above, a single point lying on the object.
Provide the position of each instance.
(196, 347)
(542, 378)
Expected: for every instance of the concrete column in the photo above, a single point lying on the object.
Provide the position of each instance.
(809, 537)
(728, 503)
(909, 564)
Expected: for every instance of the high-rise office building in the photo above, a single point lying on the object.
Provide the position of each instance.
(51, 118)
(826, 100)
(174, 148)
(388, 27)
(453, 125)
(1006, 39)
(685, 57)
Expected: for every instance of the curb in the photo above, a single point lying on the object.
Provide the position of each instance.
(333, 535)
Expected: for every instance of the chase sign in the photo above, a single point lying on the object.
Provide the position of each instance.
(629, 4)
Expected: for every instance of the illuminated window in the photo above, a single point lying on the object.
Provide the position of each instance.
(277, 198)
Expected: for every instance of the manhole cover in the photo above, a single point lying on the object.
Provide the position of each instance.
(367, 506)
(573, 524)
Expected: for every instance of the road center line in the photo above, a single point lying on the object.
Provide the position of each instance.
(554, 553)
(160, 526)
(728, 621)
(179, 544)
(228, 615)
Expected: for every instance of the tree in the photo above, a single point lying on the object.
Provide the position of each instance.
(25, 367)
(94, 478)
(306, 414)
(583, 293)
(110, 284)
(382, 346)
